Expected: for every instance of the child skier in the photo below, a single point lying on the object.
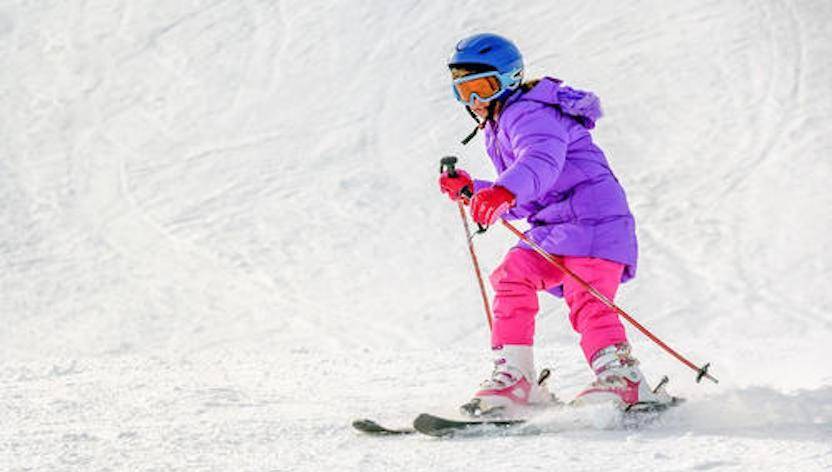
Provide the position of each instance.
(537, 134)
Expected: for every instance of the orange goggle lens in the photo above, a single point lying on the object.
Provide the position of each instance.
(483, 87)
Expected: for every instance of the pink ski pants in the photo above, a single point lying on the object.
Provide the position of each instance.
(523, 273)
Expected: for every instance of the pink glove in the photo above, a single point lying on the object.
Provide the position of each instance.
(453, 186)
(490, 203)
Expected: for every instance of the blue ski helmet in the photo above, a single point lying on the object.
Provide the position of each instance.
(487, 50)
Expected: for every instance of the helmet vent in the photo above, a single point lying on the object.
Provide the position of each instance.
(485, 49)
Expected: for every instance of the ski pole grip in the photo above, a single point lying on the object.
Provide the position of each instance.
(448, 163)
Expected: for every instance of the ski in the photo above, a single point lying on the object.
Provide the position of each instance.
(474, 421)
(444, 427)
(438, 426)
(368, 426)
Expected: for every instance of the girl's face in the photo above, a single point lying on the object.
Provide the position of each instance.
(480, 108)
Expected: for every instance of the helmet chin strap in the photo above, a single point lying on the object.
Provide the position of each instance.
(473, 115)
(467, 139)
(491, 112)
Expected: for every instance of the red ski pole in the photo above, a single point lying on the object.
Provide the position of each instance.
(701, 372)
(449, 163)
(476, 263)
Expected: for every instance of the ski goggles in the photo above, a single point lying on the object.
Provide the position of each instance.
(485, 86)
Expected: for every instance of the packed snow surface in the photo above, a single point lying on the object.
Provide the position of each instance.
(221, 238)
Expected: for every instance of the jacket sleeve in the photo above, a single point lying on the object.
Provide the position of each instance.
(480, 184)
(538, 142)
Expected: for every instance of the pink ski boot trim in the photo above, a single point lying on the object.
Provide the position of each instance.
(619, 380)
(619, 389)
(517, 392)
(510, 385)
(500, 394)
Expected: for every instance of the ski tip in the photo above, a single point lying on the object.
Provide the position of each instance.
(368, 426)
(433, 425)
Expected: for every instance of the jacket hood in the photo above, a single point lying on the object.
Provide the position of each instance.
(584, 106)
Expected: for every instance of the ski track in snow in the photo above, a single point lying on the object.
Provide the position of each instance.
(220, 237)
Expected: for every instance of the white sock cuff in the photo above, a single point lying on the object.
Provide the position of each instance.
(519, 356)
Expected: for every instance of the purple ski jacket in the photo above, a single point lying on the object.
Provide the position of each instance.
(564, 187)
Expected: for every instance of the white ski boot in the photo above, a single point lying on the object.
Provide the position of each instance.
(619, 380)
(512, 384)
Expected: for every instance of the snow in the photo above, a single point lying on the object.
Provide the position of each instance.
(221, 239)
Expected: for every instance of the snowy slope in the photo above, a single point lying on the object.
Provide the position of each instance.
(220, 236)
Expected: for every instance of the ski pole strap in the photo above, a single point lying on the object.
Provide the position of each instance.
(701, 372)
